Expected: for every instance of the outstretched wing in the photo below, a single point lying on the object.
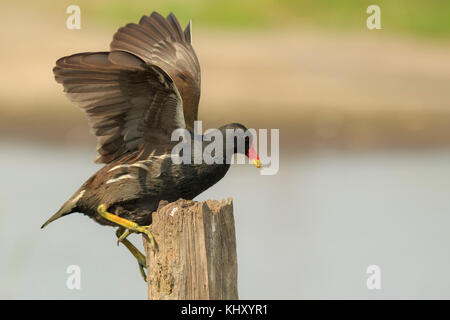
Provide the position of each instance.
(147, 86)
(127, 102)
(161, 41)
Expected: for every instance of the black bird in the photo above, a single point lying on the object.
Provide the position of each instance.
(134, 97)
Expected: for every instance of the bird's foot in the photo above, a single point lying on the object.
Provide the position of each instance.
(122, 234)
(130, 226)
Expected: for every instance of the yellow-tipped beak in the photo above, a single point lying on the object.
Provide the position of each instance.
(256, 163)
(253, 156)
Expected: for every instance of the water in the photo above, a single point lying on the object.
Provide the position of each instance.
(308, 232)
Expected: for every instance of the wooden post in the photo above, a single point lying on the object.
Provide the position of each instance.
(196, 254)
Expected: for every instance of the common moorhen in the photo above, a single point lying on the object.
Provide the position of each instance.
(134, 97)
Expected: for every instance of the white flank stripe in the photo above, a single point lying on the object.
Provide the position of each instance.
(78, 197)
(140, 165)
(163, 156)
(125, 176)
(119, 167)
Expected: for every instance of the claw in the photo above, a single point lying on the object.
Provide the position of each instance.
(127, 224)
(121, 237)
(142, 263)
(144, 230)
(126, 227)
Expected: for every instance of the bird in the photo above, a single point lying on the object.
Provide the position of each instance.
(134, 97)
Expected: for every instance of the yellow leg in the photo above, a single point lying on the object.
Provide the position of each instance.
(142, 263)
(124, 234)
(127, 224)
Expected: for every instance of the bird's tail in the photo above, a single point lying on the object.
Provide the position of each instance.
(66, 209)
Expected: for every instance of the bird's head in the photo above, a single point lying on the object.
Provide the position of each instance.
(238, 137)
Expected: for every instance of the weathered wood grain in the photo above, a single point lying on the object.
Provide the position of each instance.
(196, 254)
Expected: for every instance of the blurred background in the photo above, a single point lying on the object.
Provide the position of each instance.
(364, 119)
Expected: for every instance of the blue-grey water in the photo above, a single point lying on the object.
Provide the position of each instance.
(308, 232)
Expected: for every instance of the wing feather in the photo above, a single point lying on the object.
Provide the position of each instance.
(161, 41)
(122, 98)
(137, 94)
